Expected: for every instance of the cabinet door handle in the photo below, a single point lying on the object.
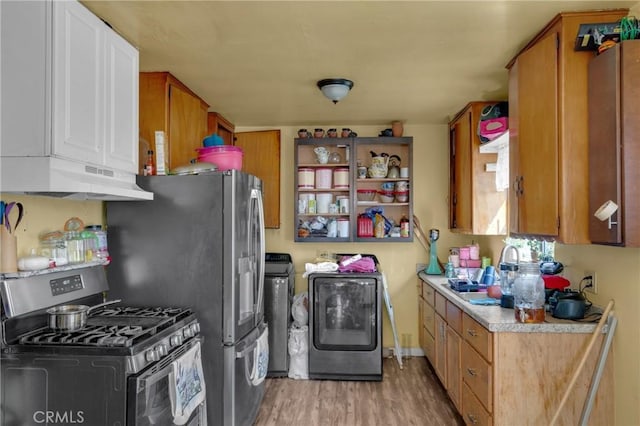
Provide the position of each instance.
(472, 419)
(471, 332)
(471, 372)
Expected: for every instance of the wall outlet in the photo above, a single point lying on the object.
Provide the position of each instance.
(593, 288)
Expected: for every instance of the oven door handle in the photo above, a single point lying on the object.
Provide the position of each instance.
(154, 377)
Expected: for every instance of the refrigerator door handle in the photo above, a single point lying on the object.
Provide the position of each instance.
(257, 195)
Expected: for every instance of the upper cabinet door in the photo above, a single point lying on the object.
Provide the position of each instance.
(538, 139)
(78, 85)
(121, 147)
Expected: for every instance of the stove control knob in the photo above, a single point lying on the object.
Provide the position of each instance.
(195, 327)
(175, 340)
(162, 350)
(151, 355)
(187, 332)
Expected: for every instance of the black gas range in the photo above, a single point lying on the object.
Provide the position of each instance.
(127, 365)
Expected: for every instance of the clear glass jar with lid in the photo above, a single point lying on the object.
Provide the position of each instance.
(528, 293)
(54, 246)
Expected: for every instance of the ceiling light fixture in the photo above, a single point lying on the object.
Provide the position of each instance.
(335, 88)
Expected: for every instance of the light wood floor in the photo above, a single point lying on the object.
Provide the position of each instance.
(411, 396)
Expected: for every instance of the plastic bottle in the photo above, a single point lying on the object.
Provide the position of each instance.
(100, 235)
(149, 170)
(404, 227)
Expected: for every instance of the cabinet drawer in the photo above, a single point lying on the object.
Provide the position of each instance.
(478, 337)
(428, 318)
(441, 305)
(428, 293)
(476, 373)
(454, 317)
(472, 410)
(429, 346)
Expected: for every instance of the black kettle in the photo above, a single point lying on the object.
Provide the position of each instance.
(570, 305)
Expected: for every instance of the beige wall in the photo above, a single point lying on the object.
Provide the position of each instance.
(44, 214)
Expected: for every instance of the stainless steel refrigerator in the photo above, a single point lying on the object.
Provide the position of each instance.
(200, 244)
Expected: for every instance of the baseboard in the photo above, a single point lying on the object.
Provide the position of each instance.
(390, 352)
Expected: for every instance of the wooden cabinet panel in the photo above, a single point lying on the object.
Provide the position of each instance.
(428, 293)
(429, 318)
(614, 143)
(186, 130)
(262, 159)
(168, 105)
(441, 305)
(548, 123)
(454, 317)
(477, 373)
(475, 206)
(429, 347)
(454, 379)
(472, 410)
(219, 125)
(440, 364)
(478, 337)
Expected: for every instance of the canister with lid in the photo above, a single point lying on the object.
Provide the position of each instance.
(323, 178)
(306, 178)
(54, 246)
(341, 178)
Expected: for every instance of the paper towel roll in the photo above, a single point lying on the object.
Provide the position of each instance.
(606, 210)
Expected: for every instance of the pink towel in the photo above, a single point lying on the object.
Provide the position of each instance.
(366, 264)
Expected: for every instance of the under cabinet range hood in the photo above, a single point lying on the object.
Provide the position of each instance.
(61, 178)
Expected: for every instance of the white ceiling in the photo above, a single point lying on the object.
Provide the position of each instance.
(257, 62)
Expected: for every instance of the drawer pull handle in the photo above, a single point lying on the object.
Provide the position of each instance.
(471, 372)
(472, 419)
(471, 332)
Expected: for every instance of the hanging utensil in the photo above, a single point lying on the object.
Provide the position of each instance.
(7, 211)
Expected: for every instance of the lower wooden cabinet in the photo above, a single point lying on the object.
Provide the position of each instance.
(473, 411)
(506, 378)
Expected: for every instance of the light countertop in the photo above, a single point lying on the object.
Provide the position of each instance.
(498, 319)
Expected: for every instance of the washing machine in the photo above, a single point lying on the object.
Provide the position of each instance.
(345, 326)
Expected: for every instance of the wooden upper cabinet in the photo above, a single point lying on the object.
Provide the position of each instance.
(168, 105)
(614, 143)
(219, 125)
(548, 123)
(475, 206)
(262, 159)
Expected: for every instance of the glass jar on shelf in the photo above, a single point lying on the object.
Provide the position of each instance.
(75, 247)
(54, 246)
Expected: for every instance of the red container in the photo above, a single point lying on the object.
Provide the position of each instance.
(365, 226)
(226, 157)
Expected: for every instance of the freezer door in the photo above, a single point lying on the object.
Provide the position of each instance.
(244, 253)
(245, 367)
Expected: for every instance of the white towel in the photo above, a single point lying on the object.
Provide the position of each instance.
(261, 359)
(186, 385)
(319, 267)
(502, 168)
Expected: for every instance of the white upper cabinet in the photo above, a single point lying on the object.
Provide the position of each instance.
(70, 86)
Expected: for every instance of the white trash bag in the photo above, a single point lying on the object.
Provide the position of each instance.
(298, 352)
(300, 309)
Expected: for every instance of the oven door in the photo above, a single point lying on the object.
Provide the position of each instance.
(344, 314)
(170, 392)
